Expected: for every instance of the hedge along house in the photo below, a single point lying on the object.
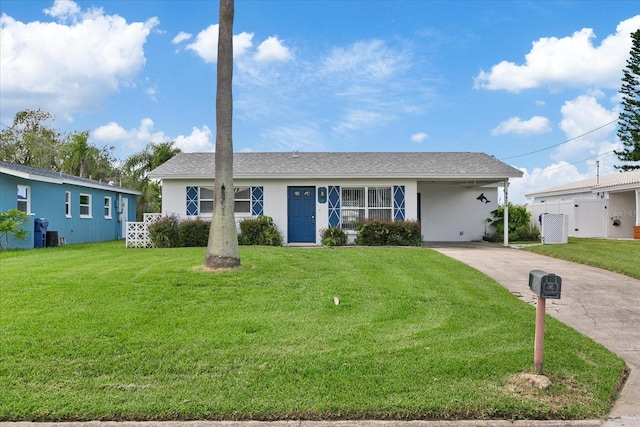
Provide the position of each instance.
(602, 207)
(77, 209)
(451, 194)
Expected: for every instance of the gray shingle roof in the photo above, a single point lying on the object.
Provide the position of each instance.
(425, 165)
(38, 174)
(608, 182)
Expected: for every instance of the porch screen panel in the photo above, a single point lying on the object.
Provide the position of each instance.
(352, 207)
(192, 201)
(379, 203)
(257, 200)
(398, 203)
(334, 205)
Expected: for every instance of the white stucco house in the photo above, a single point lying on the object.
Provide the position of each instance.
(450, 193)
(603, 207)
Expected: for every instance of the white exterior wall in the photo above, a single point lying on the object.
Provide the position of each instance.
(451, 212)
(622, 206)
(275, 197)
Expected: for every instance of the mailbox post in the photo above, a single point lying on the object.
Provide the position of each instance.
(544, 285)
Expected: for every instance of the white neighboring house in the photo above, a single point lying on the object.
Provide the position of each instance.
(450, 193)
(604, 207)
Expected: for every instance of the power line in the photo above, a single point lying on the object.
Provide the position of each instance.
(564, 142)
(542, 171)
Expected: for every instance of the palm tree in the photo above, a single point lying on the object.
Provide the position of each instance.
(222, 249)
(136, 168)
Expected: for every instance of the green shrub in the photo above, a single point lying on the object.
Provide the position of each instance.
(525, 233)
(519, 224)
(259, 231)
(194, 233)
(389, 233)
(164, 232)
(333, 236)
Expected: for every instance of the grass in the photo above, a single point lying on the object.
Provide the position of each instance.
(100, 332)
(620, 256)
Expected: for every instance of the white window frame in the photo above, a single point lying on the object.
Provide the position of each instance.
(87, 206)
(238, 202)
(369, 208)
(67, 204)
(107, 207)
(27, 202)
(205, 199)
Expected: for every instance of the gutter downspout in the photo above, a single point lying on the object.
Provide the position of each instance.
(505, 219)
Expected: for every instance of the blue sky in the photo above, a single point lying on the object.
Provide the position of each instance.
(508, 78)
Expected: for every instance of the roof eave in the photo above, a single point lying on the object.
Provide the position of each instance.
(559, 192)
(440, 177)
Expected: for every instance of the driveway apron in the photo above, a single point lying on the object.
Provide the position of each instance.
(602, 305)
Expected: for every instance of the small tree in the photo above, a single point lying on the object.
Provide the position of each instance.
(11, 224)
(629, 119)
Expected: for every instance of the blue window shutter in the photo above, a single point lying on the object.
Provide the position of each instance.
(334, 206)
(398, 203)
(192, 201)
(257, 200)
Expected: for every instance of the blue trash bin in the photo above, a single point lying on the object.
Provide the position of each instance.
(40, 232)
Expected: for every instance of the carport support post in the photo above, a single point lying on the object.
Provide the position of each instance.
(505, 219)
(538, 349)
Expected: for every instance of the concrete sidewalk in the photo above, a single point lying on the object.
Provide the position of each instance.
(603, 305)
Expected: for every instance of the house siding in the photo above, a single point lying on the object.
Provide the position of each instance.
(48, 201)
(274, 198)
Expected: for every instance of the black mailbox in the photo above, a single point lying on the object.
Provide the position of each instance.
(545, 285)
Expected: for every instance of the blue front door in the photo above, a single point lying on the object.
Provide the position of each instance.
(302, 215)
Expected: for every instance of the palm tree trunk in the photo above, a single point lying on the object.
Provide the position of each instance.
(222, 249)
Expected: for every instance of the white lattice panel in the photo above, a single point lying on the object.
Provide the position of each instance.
(150, 218)
(138, 235)
(554, 228)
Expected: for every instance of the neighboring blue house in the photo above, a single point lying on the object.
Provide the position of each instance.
(77, 210)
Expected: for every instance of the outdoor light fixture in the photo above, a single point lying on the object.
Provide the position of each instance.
(322, 194)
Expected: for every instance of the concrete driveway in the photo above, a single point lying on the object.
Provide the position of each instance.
(603, 305)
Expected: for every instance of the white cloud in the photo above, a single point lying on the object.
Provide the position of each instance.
(542, 178)
(572, 61)
(206, 44)
(272, 50)
(133, 139)
(419, 137)
(63, 9)
(180, 37)
(515, 125)
(199, 141)
(362, 119)
(370, 59)
(69, 68)
(580, 116)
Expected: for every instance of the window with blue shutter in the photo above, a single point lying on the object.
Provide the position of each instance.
(398, 203)
(192, 201)
(334, 206)
(257, 200)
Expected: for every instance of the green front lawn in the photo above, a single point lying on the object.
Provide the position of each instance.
(614, 255)
(101, 332)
